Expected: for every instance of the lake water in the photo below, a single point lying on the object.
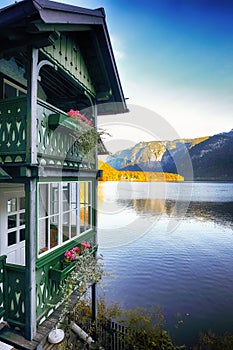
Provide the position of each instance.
(170, 245)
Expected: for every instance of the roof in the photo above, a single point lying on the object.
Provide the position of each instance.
(48, 11)
(33, 22)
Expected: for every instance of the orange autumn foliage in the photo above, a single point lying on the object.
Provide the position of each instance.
(111, 174)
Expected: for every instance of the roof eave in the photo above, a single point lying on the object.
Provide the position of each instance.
(52, 13)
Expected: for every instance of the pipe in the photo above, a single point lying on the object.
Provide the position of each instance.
(81, 333)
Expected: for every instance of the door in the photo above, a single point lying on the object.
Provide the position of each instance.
(13, 226)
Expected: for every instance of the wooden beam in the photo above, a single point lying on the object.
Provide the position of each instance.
(30, 299)
(31, 156)
(37, 41)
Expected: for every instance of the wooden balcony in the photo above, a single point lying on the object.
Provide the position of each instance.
(55, 139)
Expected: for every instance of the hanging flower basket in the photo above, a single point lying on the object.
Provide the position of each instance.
(87, 137)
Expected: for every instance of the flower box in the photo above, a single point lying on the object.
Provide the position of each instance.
(61, 271)
(72, 125)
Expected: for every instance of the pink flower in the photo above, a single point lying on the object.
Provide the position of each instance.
(72, 113)
(74, 253)
(79, 116)
(77, 250)
(67, 254)
(85, 245)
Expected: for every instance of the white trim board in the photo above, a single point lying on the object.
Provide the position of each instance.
(4, 346)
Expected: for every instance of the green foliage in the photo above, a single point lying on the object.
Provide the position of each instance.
(108, 312)
(146, 331)
(88, 140)
(212, 341)
(88, 270)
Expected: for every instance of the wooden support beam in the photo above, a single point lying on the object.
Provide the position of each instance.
(30, 295)
(31, 156)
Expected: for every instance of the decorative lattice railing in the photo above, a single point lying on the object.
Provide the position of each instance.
(14, 295)
(2, 303)
(13, 129)
(56, 135)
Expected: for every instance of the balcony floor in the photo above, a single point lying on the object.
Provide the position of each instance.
(39, 342)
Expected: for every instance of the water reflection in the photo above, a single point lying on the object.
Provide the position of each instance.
(218, 212)
(190, 271)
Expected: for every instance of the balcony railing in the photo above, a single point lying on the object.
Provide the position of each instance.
(56, 135)
(13, 129)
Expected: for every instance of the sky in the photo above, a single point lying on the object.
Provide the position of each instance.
(175, 59)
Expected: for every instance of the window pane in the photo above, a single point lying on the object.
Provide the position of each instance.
(65, 197)
(74, 221)
(43, 236)
(22, 203)
(88, 218)
(9, 91)
(22, 219)
(11, 238)
(22, 235)
(54, 199)
(43, 200)
(11, 205)
(53, 235)
(82, 192)
(66, 227)
(21, 93)
(87, 191)
(54, 220)
(73, 195)
(66, 218)
(82, 219)
(12, 221)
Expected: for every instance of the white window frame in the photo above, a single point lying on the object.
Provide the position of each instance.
(72, 211)
(17, 88)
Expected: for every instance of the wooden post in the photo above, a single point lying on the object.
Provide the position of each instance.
(93, 301)
(30, 288)
(31, 155)
(30, 193)
(93, 297)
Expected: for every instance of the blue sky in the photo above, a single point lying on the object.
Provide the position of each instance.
(174, 57)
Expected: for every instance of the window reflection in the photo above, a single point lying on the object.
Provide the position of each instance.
(12, 221)
(12, 238)
(12, 205)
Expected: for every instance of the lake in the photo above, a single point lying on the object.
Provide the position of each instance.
(170, 245)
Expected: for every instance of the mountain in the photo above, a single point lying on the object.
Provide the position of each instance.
(206, 158)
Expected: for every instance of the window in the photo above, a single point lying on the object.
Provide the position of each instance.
(85, 207)
(15, 220)
(64, 212)
(11, 90)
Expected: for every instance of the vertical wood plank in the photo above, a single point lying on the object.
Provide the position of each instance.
(30, 299)
(31, 156)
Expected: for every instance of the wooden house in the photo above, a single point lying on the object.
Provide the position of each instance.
(53, 58)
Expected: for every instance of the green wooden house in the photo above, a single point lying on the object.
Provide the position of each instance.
(53, 58)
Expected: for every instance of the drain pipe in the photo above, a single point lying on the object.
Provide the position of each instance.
(81, 333)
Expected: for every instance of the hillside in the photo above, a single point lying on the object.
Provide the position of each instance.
(207, 158)
(111, 174)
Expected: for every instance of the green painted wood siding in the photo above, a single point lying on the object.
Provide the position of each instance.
(48, 283)
(14, 295)
(66, 54)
